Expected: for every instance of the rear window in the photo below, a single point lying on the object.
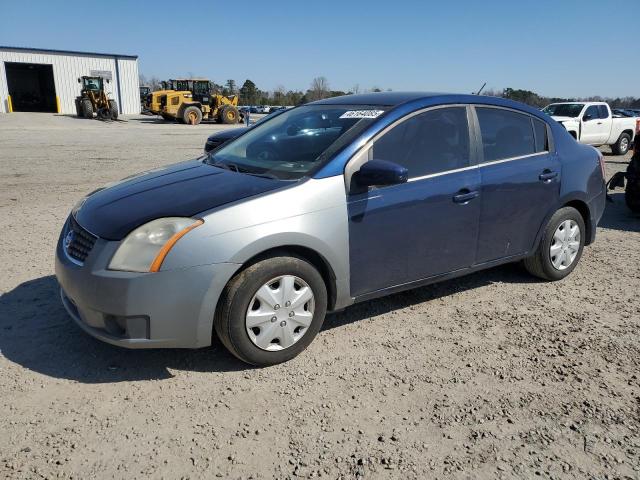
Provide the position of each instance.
(602, 110)
(505, 133)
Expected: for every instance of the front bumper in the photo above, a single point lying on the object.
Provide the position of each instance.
(173, 308)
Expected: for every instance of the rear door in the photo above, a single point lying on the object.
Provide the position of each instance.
(520, 181)
(427, 226)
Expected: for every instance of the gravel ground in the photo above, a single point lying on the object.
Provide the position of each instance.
(494, 375)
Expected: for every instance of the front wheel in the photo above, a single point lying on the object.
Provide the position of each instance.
(272, 310)
(561, 246)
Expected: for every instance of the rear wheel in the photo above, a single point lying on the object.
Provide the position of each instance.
(561, 246)
(632, 199)
(192, 115)
(87, 108)
(78, 108)
(113, 109)
(272, 310)
(229, 114)
(621, 147)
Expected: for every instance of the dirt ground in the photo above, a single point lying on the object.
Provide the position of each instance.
(495, 375)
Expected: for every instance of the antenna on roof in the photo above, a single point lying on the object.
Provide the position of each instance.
(481, 88)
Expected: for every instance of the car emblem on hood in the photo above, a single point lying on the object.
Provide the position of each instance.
(68, 239)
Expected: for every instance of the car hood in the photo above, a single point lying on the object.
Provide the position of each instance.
(180, 190)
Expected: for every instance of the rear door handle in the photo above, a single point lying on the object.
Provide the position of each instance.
(548, 175)
(465, 196)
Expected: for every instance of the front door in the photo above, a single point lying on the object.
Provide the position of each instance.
(427, 226)
(595, 129)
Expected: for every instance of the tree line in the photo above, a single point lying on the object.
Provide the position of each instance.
(539, 101)
(319, 88)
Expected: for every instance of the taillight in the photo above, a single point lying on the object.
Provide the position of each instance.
(601, 159)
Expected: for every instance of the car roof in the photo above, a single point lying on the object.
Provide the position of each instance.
(402, 100)
(378, 98)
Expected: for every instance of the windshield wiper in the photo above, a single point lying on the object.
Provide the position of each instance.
(235, 168)
(263, 175)
(226, 166)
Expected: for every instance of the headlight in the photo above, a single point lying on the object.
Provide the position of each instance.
(144, 249)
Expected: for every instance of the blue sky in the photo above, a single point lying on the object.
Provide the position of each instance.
(553, 47)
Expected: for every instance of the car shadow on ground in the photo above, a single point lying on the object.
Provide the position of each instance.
(617, 215)
(37, 333)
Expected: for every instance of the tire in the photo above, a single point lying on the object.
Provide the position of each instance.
(87, 108)
(540, 264)
(192, 115)
(78, 108)
(113, 109)
(621, 147)
(241, 292)
(632, 199)
(229, 115)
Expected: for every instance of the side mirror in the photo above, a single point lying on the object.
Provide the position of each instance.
(379, 173)
(79, 80)
(108, 81)
(587, 117)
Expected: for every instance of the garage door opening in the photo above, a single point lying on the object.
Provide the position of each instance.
(31, 87)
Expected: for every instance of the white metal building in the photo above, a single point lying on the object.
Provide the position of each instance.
(40, 80)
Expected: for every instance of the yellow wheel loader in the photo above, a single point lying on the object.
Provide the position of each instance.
(94, 99)
(200, 103)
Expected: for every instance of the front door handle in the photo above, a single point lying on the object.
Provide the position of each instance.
(547, 175)
(465, 196)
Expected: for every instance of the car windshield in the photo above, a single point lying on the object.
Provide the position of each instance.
(289, 145)
(564, 109)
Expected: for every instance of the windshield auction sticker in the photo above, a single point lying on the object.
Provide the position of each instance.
(362, 114)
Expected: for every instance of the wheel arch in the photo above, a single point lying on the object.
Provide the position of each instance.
(582, 207)
(628, 132)
(306, 253)
(577, 201)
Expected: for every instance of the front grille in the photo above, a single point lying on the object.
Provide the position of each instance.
(78, 242)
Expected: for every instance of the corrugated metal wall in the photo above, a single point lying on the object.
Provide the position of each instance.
(66, 70)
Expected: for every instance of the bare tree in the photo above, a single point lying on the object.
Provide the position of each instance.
(356, 88)
(319, 88)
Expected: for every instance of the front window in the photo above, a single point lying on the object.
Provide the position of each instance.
(564, 109)
(291, 144)
(432, 142)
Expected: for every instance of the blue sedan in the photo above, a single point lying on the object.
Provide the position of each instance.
(322, 206)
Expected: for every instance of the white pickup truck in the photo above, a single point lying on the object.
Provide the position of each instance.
(593, 124)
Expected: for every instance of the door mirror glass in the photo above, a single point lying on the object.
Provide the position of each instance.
(380, 173)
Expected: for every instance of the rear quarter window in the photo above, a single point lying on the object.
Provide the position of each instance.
(540, 130)
(505, 133)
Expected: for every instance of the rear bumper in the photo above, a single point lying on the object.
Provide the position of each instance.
(172, 308)
(596, 210)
